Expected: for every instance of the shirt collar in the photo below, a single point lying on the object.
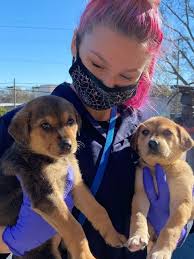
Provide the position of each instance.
(128, 116)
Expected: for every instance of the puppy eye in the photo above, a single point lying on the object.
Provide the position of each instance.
(145, 132)
(167, 133)
(70, 122)
(46, 126)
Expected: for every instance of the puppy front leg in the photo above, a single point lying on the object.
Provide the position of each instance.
(169, 236)
(139, 235)
(97, 215)
(55, 212)
(93, 211)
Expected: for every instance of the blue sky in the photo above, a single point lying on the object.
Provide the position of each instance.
(37, 55)
(40, 52)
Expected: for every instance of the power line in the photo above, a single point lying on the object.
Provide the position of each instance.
(32, 83)
(35, 27)
(32, 61)
(23, 90)
(27, 83)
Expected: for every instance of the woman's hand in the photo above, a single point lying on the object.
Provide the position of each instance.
(159, 202)
(3, 247)
(31, 230)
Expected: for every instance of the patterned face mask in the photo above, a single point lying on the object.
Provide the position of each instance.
(93, 92)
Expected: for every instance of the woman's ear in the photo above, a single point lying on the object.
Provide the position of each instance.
(73, 44)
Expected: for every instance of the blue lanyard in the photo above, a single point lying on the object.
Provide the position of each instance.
(104, 159)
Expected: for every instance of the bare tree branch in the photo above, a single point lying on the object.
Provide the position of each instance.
(191, 10)
(178, 57)
(181, 36)
(184, 55)
(192, 83)
(176, 72)
(187, 59)
(181, 20)
(186, 11)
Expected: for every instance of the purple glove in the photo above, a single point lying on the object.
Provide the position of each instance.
(159, 202)
(31, 230)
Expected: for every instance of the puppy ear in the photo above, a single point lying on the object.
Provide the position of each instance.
(186, 142)
(19, 127)
(79, 121)
(134, 139)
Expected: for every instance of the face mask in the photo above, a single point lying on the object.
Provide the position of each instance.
(93, 93)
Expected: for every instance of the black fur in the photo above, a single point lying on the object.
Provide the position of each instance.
(28, 167)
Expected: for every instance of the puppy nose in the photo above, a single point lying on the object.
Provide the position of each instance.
(65, 144)
(153, 145)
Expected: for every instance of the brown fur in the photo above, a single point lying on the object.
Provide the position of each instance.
(173, 142)
(40, 158)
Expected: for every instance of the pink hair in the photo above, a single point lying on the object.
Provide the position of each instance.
(134, 18)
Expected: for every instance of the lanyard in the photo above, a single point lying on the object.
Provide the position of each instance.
(104, 159)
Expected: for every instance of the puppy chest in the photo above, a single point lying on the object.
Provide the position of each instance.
(56, 175)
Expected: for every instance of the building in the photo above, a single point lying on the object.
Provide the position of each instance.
(9, 106)
(43, 89)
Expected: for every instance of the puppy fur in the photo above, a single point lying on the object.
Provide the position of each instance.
(160, 140)
(45, 133)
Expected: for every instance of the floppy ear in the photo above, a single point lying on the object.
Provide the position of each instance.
(186, 142)
(79, 121)
(134, 138)
(19, 127)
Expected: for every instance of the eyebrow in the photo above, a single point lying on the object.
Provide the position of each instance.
(100, 57)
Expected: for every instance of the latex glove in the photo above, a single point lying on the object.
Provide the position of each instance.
(159, 202)
(31, 230)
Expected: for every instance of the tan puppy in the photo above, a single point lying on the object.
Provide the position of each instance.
(45, 133)
(160, 140)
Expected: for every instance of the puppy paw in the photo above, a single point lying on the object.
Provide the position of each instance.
(115, 239)
(137, 242)
(84, 255)
(161, 254)
(87, 257)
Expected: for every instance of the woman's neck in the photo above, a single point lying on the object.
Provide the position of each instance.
(103, 115)
(99, 115)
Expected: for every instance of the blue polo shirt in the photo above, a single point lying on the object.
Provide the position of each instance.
(117, 187)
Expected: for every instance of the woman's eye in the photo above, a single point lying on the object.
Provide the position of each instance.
(97, 66)
(126, 77)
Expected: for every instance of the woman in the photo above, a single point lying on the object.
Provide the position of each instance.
(114, 50)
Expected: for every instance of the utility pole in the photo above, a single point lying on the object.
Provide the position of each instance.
(14, 92)
(178, 62)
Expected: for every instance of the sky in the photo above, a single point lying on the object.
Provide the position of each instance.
(35, 40)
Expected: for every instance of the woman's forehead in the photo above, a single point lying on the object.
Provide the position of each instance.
(114, 48)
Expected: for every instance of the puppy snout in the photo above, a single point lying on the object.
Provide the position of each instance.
(153, 145)
(65, 144)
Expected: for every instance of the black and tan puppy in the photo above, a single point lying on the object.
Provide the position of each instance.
(160, 140)
(45, 144)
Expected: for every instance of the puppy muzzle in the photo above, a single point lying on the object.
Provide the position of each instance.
(154, 146)
(65, 145)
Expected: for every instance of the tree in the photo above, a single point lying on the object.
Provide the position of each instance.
(22, 96)
(177, 63)
(2, 111)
